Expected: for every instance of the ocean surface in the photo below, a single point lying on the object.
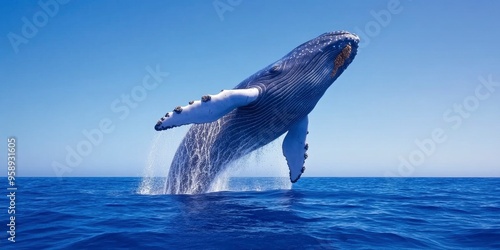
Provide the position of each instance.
(316, 213)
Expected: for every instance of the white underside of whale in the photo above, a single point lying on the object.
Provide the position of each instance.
(210, 110)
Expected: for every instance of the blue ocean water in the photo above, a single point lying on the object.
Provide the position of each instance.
(316, 213)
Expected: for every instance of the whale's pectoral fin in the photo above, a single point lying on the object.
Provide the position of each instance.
(295, 147)
(208, 109)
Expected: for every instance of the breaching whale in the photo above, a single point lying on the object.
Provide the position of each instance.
(273, 101)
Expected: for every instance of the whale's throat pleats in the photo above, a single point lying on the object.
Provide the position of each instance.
(340, 59)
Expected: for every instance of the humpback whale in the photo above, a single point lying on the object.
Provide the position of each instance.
(271, 102)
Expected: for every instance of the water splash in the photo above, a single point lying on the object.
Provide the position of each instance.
(157, 164)
(152, 184)
(263, 162)
(197, 157)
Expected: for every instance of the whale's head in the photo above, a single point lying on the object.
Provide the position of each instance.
(315, 63)
(299, 79)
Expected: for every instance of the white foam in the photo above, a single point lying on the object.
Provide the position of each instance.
(267, 161)
(157, 165)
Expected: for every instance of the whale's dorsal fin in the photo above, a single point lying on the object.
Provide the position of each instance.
(295, 147)
(208, 109)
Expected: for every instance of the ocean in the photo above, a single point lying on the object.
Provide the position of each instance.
(315, 213)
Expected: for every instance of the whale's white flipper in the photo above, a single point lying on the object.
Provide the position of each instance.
(295, 147)
(208, 109)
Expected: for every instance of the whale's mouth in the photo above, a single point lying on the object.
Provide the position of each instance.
(341, 59)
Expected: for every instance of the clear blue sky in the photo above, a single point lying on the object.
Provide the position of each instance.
(411, 72)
